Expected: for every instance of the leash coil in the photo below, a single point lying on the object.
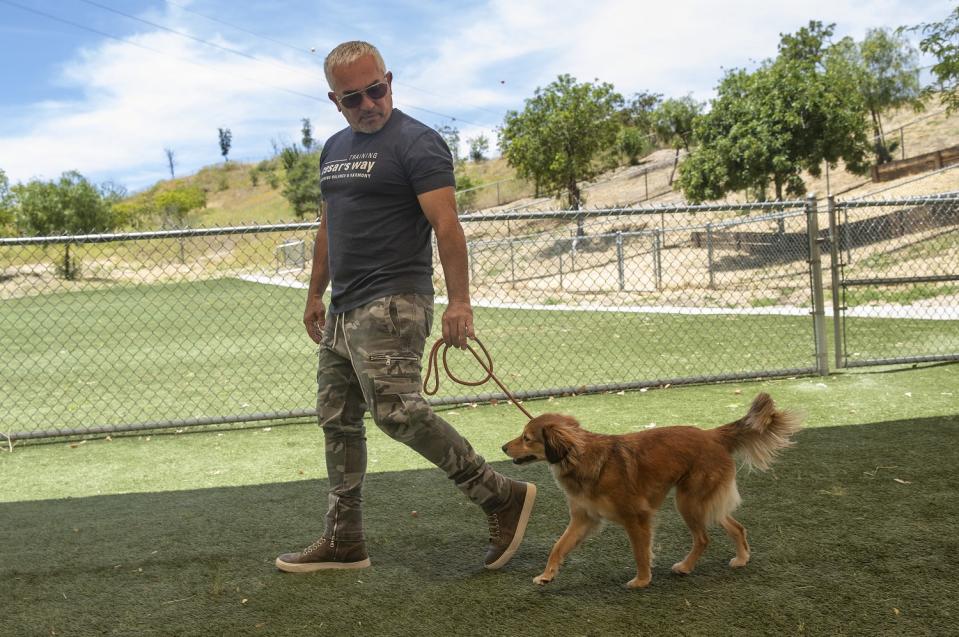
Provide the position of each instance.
(432, 366)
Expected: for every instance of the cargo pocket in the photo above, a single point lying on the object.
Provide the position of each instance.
(397, 404)
(396, 364)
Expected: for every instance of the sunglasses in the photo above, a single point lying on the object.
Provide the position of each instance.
(355, 98)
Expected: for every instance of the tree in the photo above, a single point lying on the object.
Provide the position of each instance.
(71, 205)
(633, 144)
(451, 135)
(673, 124)
(789, 116)
(562, 130)
(465, 191)
(307, 131)
(302, 187)
(226, 140)
(169, 160)
(941, 39)
(174, 205)
(638, 112)
(7, 211)
(886, 67)
(479, 146)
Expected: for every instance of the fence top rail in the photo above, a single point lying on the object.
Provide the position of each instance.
(903, 201)
(157, 234)
(630, 211)
(718, 226)
(486, 185)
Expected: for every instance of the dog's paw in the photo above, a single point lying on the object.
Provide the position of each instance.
(638, 583)
(738, 562)
(680, 568)
(542, 580)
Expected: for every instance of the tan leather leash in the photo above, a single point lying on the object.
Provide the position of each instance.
(432, 365)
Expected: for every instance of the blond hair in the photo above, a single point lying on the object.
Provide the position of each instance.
(350, 52)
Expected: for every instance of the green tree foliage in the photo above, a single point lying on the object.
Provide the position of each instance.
(451, 135)
(673, 123)
(633, 143)
(479, 146)
(557, 138)
(789, 116)
(7, 215)
(170, 160)
(71, 205)
(637, 134)
(163, 207)
(638, 111)
(175, 205)
(226, 140)
(465, 190)
(307, 134)
(886, 68)
(941, 39)
(302, 185)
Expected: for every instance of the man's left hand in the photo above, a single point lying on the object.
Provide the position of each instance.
(458, 324)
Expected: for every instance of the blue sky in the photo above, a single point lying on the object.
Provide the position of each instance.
(104, 86)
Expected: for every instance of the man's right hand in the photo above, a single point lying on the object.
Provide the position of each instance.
(315, 318)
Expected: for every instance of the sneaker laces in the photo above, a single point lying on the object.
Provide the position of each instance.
(493, 520)
(316, 545)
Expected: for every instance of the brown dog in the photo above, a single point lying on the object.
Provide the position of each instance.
(625, 478)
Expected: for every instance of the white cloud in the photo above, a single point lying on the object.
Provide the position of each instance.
(133, 103)
(136, 102)
(673, 48)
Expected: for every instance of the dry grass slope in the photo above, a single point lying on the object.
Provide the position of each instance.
(234, 200)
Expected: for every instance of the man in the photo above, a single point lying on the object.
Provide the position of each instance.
(387, 183)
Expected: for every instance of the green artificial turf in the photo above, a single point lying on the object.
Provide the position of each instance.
(134, 354)
(852, 532)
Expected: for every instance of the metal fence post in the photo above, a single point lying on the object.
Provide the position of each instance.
(834, 271)
(619, 261)
(815, 266)
(657, 260)
(709, 255)
(561, 286)
(237, 264)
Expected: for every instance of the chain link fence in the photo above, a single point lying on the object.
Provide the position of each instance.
(896, 280)
(171, 329)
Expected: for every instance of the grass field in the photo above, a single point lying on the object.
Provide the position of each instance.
(131, 354)
(852, 532)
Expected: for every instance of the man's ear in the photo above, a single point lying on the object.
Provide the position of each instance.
(335, 101)
(556, 444)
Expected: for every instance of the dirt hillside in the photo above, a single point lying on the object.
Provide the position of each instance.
(648, 183)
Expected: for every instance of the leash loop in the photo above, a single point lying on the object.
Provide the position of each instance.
(433, 367)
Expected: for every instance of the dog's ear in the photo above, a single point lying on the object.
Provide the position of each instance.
(556, 443)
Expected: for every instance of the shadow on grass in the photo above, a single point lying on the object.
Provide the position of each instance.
(853, 532)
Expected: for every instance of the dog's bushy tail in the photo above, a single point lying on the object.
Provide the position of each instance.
(761, 434)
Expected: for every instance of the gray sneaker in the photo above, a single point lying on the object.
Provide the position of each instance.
(507, 525)
(325, 553)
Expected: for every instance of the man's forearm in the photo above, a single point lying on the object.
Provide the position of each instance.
(455, 262)
(320, 272)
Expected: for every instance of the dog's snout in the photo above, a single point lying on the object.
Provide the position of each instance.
(504, 447)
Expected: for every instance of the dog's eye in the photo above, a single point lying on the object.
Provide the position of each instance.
(527, 439)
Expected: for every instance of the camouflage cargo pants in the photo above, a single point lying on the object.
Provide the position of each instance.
(371, 357)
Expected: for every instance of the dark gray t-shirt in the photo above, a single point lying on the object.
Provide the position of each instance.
(379, 238)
